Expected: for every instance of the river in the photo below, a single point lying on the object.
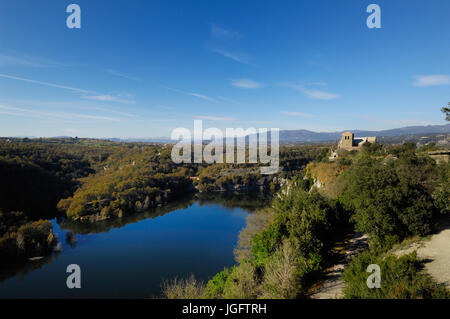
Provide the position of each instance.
(129, 257)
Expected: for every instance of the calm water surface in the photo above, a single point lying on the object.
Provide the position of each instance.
(129, 257)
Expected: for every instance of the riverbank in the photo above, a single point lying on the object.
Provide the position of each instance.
(129, 257)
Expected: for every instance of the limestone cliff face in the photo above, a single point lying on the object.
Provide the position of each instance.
(326, 176)
(263, 183)
(317, 183)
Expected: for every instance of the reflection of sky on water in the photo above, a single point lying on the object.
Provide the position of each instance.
(132, 259)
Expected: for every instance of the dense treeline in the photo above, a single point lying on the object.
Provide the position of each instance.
(95, 180)
(105, 179)
(144, 176)
(131, 181)
(35, 175)
(21, 238)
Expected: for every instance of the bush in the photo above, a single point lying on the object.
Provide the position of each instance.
(405, 148)
(428, 147)
(183, 288)
(241, 283)
(372, 148)
(215, 287)
(303, 224)
(401, 278)
(324, 155)
(256, 222)
(442, 193)
(281, 274)
(238, 282)
(345, 161)
(387, 203)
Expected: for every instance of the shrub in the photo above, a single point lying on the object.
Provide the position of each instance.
(281, 275)
(188, 288)
(241, 283)
(401, 278)
(387, 203)
(372, 148)
(344, 161)
(256, 222)
(442, 194)
(215, 287)
(302, 224)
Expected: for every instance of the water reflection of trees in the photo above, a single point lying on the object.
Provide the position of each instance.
(21, 269)
(245, 201)
(248, 201)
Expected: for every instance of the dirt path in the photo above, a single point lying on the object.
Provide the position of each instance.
(434, 250)
(436, 253)
(331, 285)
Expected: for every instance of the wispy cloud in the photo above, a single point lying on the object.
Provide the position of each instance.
(213, 118)
(59, 86)
(246, 84)
(15, 111)
(121, 113)
(238, 57)
(26, 61)
(201, 96)
(313, 93)
(296, 114)
(122, 75)
(223, 33)
(197, 95)
(319, 95)
(63, 105)
(85, 116)
(220, 37)
(431, 80)
(165, 107)
(319, 83)
(92, 94)
(226, 99)
(109, 98)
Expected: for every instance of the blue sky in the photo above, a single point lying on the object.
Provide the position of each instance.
(143, 68)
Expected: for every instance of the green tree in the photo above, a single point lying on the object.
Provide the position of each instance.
(446, 111)
(388, 204)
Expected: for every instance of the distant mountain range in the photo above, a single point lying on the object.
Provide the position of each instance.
(305, 136)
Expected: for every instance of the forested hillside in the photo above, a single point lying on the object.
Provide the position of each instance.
(91, 180)
(35, 176)
(391, 193)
